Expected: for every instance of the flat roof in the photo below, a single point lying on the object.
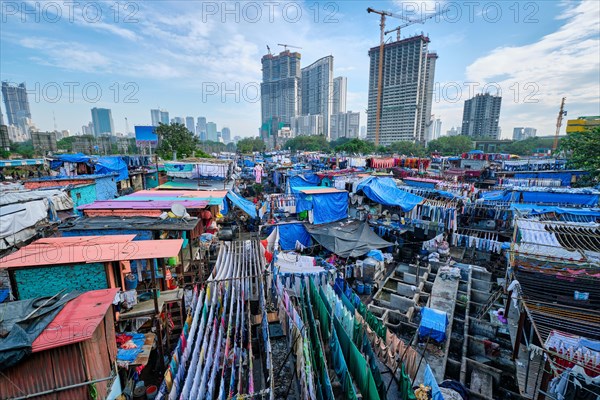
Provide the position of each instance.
(141, 223)
(319, 190)
(142, 204)
(89, 249)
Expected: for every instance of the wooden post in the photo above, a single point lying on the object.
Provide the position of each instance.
(519, 336)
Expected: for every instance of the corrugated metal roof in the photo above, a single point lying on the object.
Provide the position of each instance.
(77, 321)
(89, 249)
(196, 194)
(143, 204)
(319, 190)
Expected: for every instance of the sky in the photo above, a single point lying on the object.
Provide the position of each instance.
(195, 58)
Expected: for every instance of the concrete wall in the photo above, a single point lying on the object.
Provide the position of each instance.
(47, 281)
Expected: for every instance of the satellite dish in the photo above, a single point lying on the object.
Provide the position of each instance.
(179, 210)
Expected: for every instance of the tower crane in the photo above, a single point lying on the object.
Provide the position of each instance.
(285, 46)
(561, 113)
(268, 49)
(382, 33)
(413, 21)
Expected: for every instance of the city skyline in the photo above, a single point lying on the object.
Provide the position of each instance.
(528, 55)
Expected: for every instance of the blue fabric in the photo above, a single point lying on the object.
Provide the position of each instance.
(540, 209)
(384, 191)
(433, 324)
(429, 185)
(429, 380)
(289, 233)
(590, 344)
(376, 254)
(586, 199)
(565, 177)
(330, 207)
(111, 165)
(74, 158)
(248, 163)
(246, 205)
(298, 181)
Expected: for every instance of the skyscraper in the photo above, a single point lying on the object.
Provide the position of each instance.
(522, 133)
(178, 120)
(405, 105)
(201, 127)
(345, 125)
(317, 90)
(280, 92)
(103, 122)
(15, 102)
(164, 117)
(155, 116)
(226, 135)
(481, 116)
(211, 131)
(189, 124)
(340, 88)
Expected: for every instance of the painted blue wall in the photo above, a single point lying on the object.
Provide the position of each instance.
(106, 188)
(85, 194)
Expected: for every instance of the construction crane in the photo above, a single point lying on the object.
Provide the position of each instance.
(561, 113)
(285, 46)
(411, 22)
(269, 49)
(382, 33)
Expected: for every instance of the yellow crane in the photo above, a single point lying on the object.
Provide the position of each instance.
(382, 33)
(561, 113)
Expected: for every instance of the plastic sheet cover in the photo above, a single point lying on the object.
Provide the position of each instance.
(290, 233)
(433, 324)
(352, 239)
(110, 165)
(299, 181)
(326, 207)
(384, 191)
(246, 205)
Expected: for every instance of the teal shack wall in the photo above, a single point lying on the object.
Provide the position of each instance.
(47, 281)
(81, 195)
(151, 180)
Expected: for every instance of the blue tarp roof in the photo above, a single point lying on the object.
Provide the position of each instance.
(326, 207)
(433, 324)
(246, 205)
(585, 199)
(112, 164)
(74, 158)
(290, 233)
(540, 209)
(18, 163)
(384, 191)
(305, 180)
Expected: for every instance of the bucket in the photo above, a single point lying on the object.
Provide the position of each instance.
(131, 281)
(367, 289)
(360, 288)
(139, 393)
(151, 392)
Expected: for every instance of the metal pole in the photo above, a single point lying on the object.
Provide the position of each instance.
(29, 396)
(529, 355)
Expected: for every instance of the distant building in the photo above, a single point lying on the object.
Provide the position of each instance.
(4, 140)
(581, 124)
(226, 135)
(521, 133)
(88, 129)
(340, 89)
(237, 139)
(280, 92)
(407, 91)
(363, 132)
(44, 142)
(481, 115)
(189, 124)
(317, 91)
(178, 120)
(83, 145)
(16, 102)
(103, 122)
(211, 132)
(155, 116)
(345, 125)
(164, 117)
(454, 131)
(434, 130)
(305, 125)
(201, 127)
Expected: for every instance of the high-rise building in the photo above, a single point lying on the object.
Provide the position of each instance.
(363, 132)
(189, 124)
(280, 92)
(237, 139)
(226, 135)
(481, 116)
(304, 125)
(211, 131)
(155, 116)
(406, 90)
(317, 91)
(454, 131)
(434, 130)
(178, 120)
(103, 122)
(201, 127)
(88, 129)
(15, 102)
(340, 90)
(345, 125)
(522, 133)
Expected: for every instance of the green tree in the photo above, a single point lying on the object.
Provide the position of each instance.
(175, 137)
(307, 143)
(25, 149)
(407, 148)
(248, 145)
(209, 146)
(356, 146)
(230, 147)
(528, 146)
(450, 145)
(338, 142)
(584, 149)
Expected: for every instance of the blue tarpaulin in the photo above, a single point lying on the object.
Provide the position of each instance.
(110, 165)
(585, 199)
(246, 205)
(290, 233)
(299, 181)
(74, 158)
(326, 207)
(429, 380)
(384, 191)
(249, 163)
(540, 209)
(429, 185)
(565, 177)
(433, 324)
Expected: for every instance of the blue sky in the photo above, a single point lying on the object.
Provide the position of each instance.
(197, 58)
